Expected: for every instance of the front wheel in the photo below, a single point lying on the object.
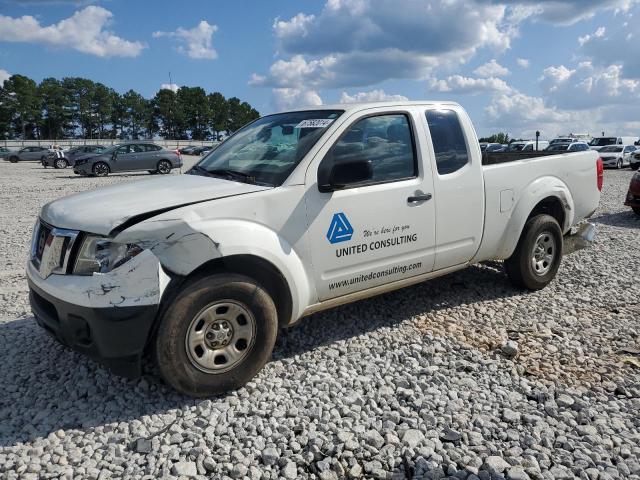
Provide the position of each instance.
(13, 159)
(100, 169)
(61, 163)
(537, 256)
(164, 167)
(619, 164)
(216, 335)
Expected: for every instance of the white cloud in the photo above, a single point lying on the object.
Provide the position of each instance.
(85, 31)
(196, 42)
(290, 98)
(458, 84)
(599, 33)
(371, 96)
(4, 75)
(491, 69)
(355, 43)
(169, 86)
(588, 87)
(523, 62)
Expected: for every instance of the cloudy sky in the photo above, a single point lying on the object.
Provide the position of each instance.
(559, 66)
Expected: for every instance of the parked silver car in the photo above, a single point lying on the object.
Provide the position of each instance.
(70, 155)
(127, 157)
(34, 154)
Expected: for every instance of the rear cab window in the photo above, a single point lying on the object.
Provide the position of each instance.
(448, 139)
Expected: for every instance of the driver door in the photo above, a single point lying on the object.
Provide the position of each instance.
(124, 159)
(378, 231)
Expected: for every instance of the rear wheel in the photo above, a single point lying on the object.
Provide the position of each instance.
(101, 169)
(216, 335)
(537, 256)
(164, 167)
(61, 163)
(13, 159)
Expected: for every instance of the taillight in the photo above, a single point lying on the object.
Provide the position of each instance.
(600, 172)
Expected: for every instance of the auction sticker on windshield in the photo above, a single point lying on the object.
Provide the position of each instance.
(315, 123)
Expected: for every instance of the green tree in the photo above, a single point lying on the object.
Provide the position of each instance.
(21, 95)
(55, 121)
(240, 113)
(101, 107)
(219, 116)
(195, 108)
(499, 137)
(168, 114)
(136, 112)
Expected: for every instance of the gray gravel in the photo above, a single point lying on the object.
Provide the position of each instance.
(462, 377)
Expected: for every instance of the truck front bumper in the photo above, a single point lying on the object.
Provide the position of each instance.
(108, 317)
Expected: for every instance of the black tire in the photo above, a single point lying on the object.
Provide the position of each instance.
(60, 163)
(520, 266)
(101, 169)
(634, 166)
(164, 167)
(619, 165)
(170, 345)
(636, 210)
(13, 159)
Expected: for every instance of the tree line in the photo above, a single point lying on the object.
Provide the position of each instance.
(77, 107)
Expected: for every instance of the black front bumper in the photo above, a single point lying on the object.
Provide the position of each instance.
(115, 337)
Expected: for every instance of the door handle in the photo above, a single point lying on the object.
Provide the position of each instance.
(419, 198)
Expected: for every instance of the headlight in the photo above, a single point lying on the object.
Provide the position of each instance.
(101, 255)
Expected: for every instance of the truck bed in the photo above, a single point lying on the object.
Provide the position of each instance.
(492, 158)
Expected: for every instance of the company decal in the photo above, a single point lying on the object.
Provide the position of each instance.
(340, 230)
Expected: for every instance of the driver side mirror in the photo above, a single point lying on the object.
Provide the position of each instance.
(337, 176)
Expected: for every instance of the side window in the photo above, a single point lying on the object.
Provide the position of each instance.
(528, 148)
(153, 148)
(385, 140)
(448, 140)
(137, 148)
(123, 149)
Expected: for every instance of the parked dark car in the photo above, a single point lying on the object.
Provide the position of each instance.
(188, 150)
(127, 157)
(567, 147)
(202, 150)
(70, 156)
(34, 154)
(634, 160)
(633, 195)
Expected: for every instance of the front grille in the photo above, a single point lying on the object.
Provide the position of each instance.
(51, 248)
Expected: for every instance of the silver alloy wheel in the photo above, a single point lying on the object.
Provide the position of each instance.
(61, 163)
(164, 167)
(220, 336)
(544, 253)
(619, 165)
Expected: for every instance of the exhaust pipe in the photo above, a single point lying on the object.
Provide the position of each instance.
(582, 238)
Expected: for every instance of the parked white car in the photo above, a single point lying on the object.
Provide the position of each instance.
(567, 147)
(527, 146)
(618, 156)
(597, 143)
(295, 213)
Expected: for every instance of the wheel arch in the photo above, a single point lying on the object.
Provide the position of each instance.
(546, 195)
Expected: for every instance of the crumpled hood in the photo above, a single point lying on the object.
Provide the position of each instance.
(104, 209)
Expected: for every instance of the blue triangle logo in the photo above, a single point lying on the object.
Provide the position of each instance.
(340, 229)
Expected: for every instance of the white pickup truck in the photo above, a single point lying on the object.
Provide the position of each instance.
(295, 213)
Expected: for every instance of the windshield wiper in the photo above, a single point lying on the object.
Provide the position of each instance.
(198, 170)
(244, 177)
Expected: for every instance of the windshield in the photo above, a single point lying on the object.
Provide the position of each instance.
(515, 147)
(266, 151)
(557, 147)
(599, 142)
(560, 140)
(613, 148)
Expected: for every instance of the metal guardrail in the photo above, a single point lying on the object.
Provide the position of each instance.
(75, 142)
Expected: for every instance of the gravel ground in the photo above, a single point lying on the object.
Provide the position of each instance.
(461, 377)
